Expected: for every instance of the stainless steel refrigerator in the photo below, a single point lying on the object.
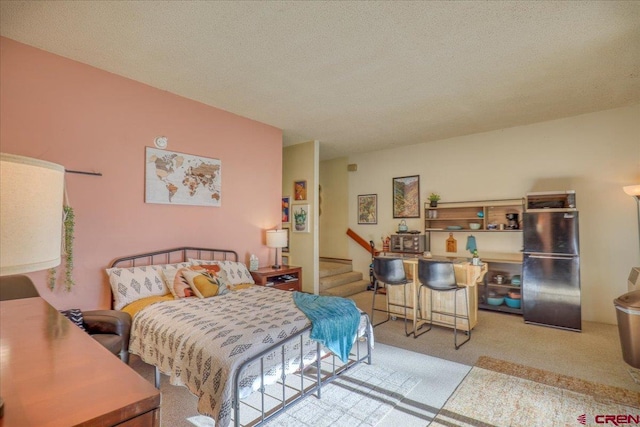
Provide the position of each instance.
(551, 269)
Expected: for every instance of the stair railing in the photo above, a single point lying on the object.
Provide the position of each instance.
(369, 247)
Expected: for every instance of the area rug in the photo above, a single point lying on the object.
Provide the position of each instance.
(500, 393)
(361, 396)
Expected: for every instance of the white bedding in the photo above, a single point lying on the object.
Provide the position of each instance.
(200, 342)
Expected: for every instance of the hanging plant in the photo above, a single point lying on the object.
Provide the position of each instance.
(69, 226)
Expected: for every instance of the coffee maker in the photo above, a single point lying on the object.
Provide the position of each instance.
(512, 221)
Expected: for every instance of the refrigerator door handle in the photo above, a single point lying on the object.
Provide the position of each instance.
(551, 256)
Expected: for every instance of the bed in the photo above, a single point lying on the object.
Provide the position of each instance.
(246, 353)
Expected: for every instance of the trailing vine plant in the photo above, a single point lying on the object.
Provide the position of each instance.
(69, 226)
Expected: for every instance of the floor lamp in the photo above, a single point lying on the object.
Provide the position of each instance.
(31, 203)
(277, 239)
(634, 191)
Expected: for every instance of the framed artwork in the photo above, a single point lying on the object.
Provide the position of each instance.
(300, 190)
(301, 218)
(173, 178)
(286, 248)
(285, 259)
(286, 209)
(406, 197)
(368, 209)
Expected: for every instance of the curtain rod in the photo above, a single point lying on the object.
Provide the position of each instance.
(83, 172)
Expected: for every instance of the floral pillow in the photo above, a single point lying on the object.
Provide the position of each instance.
(176, 282)
(206, 280)
(237, 272)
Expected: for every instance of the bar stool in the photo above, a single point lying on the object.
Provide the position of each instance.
(389, 271)
(440, 276)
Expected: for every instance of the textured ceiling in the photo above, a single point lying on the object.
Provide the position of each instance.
(357, 76)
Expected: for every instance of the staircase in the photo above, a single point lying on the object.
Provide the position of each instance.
(337, 278)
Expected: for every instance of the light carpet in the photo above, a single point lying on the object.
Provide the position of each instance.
(500, 393)
(401, 387)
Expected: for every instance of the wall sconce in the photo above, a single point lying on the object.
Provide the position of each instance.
(277, 239)
(634, 191)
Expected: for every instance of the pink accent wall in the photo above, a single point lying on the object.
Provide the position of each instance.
(83, 118)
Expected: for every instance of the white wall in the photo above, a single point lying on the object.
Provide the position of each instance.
(300, 162)
(334, 218)
(595, 154)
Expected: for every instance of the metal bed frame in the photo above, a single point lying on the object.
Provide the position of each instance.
(314, 375)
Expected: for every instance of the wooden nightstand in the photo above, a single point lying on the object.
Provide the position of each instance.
(268, 276)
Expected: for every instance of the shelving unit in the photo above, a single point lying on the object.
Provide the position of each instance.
(508, 267)
(450, 216)
(455, 217)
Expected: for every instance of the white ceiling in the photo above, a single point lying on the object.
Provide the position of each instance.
(357, 76)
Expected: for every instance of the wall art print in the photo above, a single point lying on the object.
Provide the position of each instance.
(286, 248)
(368, 209)
(286, 209)
(300, 190)
(406, 197)
(301, 218)
(182, 179)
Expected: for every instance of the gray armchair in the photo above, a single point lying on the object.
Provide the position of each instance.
(111, 328)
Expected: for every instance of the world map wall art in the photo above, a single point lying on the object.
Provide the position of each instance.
(182, 179)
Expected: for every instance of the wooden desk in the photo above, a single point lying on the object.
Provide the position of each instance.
(54, 374)
(466, 274)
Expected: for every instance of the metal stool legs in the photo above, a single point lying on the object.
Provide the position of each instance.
(374, 309)
(455, 315)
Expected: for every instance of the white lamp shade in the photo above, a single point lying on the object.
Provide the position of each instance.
(632, 190)
(31, 203)
(277, 238)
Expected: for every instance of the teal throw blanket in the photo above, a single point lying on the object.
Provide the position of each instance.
(334, 321)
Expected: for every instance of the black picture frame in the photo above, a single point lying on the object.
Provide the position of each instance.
(406, 196)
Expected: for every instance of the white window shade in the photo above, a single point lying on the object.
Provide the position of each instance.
(31, 203)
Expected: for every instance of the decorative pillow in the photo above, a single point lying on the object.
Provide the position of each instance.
(131, 284)
(237, 272)
(138, 305)
(206, 280)
(75, 315)
(177, 284)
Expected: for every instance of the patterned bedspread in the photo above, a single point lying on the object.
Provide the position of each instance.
(200, 342)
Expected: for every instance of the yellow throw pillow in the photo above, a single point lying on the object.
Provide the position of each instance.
(206, 280)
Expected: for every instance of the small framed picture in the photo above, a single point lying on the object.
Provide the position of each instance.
(301, 218)
(285, 259)
(300, 190)
(286, 248)
(286, 209)
(406, 197)
(368, 209)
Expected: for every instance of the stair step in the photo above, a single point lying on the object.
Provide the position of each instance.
(333, 268)
(347, 289)
(339, 279)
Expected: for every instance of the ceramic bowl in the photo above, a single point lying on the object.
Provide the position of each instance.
(495, 300)
(514, 294)
(474, 225)
(513, 303)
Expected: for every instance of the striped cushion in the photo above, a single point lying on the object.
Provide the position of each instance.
(75, 315)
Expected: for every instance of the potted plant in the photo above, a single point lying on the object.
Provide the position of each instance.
(433, 199)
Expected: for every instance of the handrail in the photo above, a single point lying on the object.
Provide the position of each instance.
(359, 240)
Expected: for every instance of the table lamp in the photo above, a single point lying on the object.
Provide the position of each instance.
(277, 239)
(31, 203)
